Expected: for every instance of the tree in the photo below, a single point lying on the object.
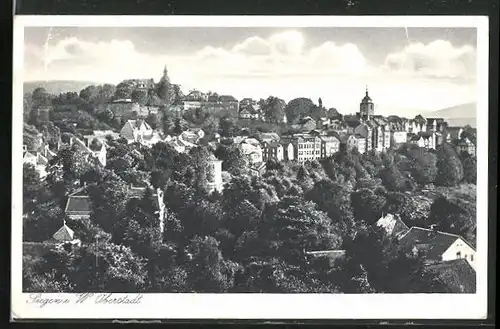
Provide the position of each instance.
(208, 271)
(40, 97)
(294, 225)
(392, 179)
(107, 267)
(153, 120)
(469, 164)
(108, 200)
(123, 91)
(227, 127)
(274, 109)
(367, 206)
(450, 169)
(453, 215)
(89, 93)
(334, 199)
(139, 96)
(297, 108)
(424, 166)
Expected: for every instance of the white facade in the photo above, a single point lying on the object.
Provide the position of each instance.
(215, 178)
(399, 137)
(460, 249)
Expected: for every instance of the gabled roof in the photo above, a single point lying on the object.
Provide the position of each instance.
(64, 234)
(457, 275)
(393, 225)
(432, 243)
(78, 205)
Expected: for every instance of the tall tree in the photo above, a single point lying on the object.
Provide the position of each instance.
(274, 109)
(450, 169)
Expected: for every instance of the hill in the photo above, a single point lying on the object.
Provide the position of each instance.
(57, 86)
(459, 115)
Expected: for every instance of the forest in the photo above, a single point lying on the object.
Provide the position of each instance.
(252, 237)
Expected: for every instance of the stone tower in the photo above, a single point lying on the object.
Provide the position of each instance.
(366, 106)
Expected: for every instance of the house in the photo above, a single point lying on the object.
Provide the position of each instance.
(64, 234)
(140, 84)
(247, 102)
(435, 124)
(251, 148)
(453, 133)
(38, 161)
(134, 130)
(250, 112)
(306, 147)
(95, 150)
(214, 178)
(365, 130)
(330, 145)
(192, 135)
(358, 142)
(393, 225)
(436, 246)
(272, 150)
(457, 275)
(417, 126)
(196, 95)
(268, 137)
(78, 205)
(306, 124)
(465, 145)
(399, 137)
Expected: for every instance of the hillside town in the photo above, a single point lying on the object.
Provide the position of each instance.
(155, 190)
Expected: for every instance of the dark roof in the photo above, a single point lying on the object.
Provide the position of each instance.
(432, 243)
(78, 204)
(457, 275)
(227, 98)
(353, 123)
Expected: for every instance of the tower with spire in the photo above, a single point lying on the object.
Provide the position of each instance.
(165, 75)
(366, 108)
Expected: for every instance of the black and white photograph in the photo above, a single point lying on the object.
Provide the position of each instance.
(247, 160)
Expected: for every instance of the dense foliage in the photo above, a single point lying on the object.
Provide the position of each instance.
(252, 237)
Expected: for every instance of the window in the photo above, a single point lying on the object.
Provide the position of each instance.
(471, 258)
(459, 254)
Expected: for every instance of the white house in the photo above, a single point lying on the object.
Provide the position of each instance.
(437, 246)
(134, 130)
(251, 148)
(393, 225)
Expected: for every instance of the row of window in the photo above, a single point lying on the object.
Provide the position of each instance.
(309, 152)
(309, 146)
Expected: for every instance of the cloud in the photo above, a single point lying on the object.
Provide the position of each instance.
(281, 64)
(438, 59)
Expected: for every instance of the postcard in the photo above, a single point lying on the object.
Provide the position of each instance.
(250, 167)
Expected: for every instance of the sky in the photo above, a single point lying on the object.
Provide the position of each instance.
(406, 70)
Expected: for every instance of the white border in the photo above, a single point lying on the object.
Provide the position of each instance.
(261, 306)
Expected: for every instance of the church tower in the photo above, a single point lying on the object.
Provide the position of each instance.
(366, 106)
(165, 75)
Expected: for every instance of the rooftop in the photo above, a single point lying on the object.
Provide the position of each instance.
(457, 275)
(78, 204)
(432, 243)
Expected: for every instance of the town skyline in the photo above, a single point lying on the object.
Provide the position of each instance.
(428, 69)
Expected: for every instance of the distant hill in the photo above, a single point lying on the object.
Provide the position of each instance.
(57, 87)
(459, 115)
